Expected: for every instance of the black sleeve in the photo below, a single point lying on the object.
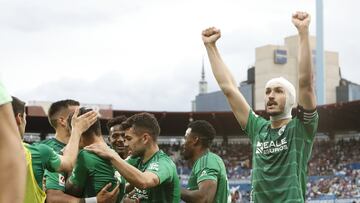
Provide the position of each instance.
(305, 115)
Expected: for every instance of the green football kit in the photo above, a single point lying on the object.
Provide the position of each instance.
(280, 157)
(211, 167)
(168, 191)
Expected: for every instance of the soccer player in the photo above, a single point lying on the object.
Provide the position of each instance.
(117, 136)
(117, 142)
(282, 146)
(40, 157)
(208, 180)
(12, 158)
(91, 172)
(154, 176)
(58, 115)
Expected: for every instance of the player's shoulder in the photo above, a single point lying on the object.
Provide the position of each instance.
(85, 153)
(162, 156)
(89, 157)
(40, 147)
(163, 159)
(46, 142)
(209, 160)
(52, 142)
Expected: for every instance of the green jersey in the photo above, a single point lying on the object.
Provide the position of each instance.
(122, 184)
(43, 157)
(91, 173)
(211, 167)
(54, 180)
(280, 157)
(168, 190)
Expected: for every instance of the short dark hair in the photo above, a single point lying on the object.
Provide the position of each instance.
(115, 121)
(18, 106)
(204, 130)
(93, 129)
(57, 107)
(143, 122)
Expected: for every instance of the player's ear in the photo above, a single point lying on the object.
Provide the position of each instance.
(196, 140)
(146, 137)
(18, 118)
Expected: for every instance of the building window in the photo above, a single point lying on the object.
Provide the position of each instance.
(280, 56)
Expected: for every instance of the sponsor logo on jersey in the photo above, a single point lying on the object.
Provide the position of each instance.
(61, 180)
(154, 166)
(271, 147)
(141, 194)
(203, 173)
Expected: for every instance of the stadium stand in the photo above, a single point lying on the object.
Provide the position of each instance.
(334, 168)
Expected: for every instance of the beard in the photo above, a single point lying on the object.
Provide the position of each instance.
(185, 154)
(274, 113)
(278, 111)
(138, 153)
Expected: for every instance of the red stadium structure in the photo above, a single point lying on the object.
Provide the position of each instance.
(333, 118)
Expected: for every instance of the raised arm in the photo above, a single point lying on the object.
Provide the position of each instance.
(224, 77)
(12, 155)
(307, 97)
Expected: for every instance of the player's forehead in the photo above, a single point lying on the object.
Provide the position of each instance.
(275, 87)
(72, 107)
(130, 132)
(115, 128)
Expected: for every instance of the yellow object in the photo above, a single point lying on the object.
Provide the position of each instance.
(33, 193)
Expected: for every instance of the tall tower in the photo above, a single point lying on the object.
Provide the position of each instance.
(202, 82)
(320, 78)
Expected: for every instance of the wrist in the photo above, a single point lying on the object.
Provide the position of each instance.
(90, 200)
(113, 155)
(210, 44)
(76, 132)
(304, 33)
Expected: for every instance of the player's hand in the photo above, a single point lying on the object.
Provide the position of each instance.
(128, 200)
(102, 150)
(301, 20)
(81, 123)
(104, 196)
(210, 35)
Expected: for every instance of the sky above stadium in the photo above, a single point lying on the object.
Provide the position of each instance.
(147, 55)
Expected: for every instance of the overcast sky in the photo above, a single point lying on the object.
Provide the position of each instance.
(147, 55)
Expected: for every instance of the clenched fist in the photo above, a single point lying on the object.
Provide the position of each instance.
(301, 20)
(210, 35)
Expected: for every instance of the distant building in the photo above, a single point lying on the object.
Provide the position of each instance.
(347, 91)
(282, 60)
(216, 101)
(275, 61)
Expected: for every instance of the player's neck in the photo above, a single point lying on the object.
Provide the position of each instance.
(199, 153)
(62, 135)
(280, 123)
(97, 139)
(150, 152)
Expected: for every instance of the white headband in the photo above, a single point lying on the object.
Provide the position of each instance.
(290, 96)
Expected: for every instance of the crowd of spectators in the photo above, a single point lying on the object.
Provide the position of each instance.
(334, 168)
